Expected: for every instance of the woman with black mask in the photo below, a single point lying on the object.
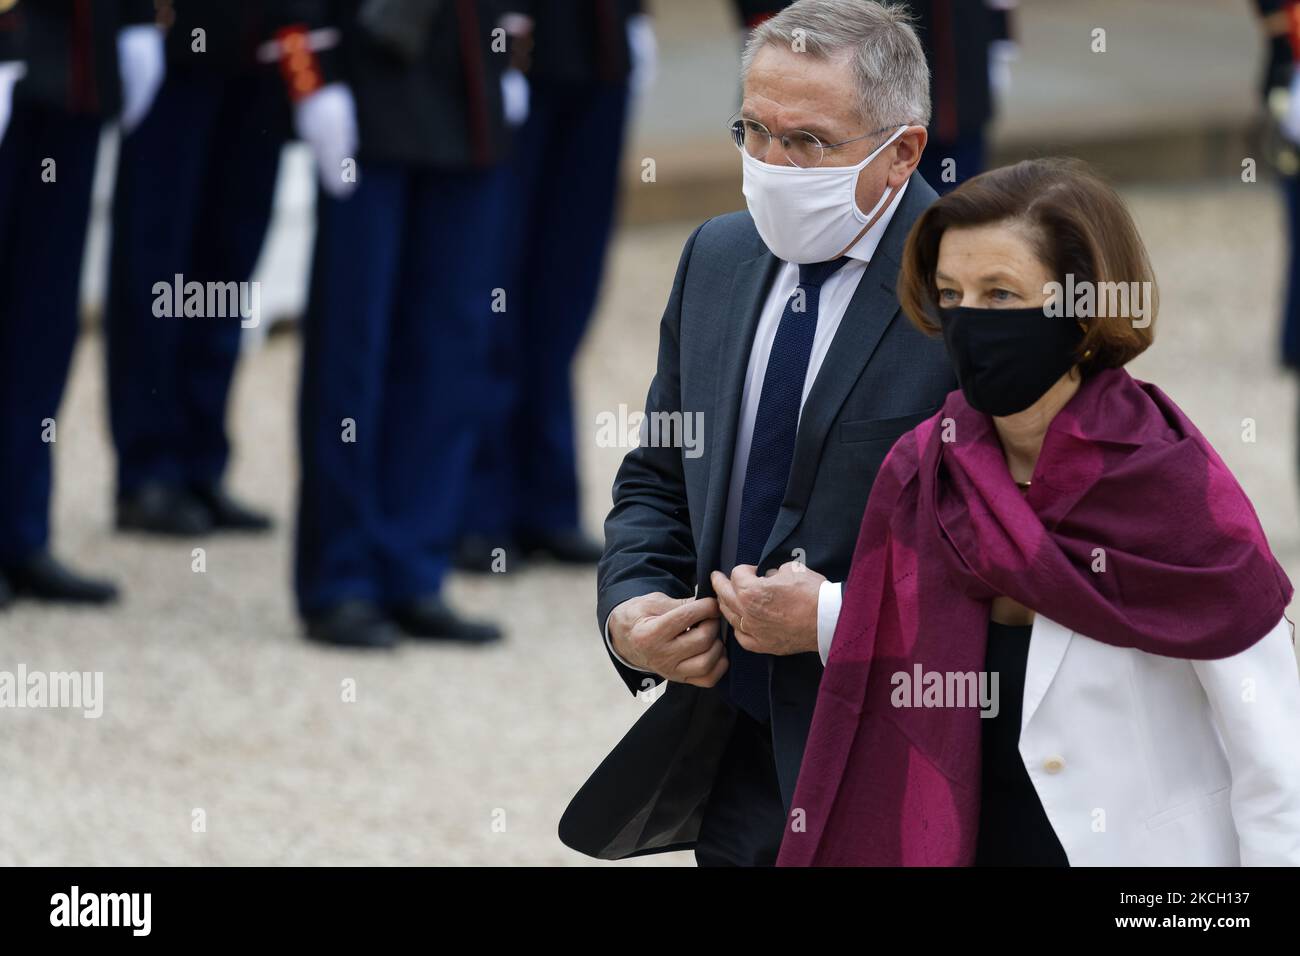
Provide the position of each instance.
(1062, 639)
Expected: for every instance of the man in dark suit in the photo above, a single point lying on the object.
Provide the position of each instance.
(783, 338)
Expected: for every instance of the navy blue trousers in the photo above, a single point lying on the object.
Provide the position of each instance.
(195, 182)
(564, 186)
(395, 346)
(42, 237)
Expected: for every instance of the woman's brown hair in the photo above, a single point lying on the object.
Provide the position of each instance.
(1079, 226)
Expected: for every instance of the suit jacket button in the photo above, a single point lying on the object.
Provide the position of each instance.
(1054, 764)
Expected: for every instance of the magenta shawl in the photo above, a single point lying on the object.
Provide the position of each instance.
(1124, 484)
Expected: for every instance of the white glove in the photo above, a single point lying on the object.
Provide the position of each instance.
(644, 50)
(327, 122)
(10, 73)
(1289, 122)
(1002, 53)
(514, 96)
(142, 62)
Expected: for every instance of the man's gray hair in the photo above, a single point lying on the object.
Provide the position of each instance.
(876, 39)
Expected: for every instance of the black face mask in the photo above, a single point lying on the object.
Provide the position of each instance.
(1007, 359)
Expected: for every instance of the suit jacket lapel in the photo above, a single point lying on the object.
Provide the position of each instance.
(1048, 642)
(749, 289)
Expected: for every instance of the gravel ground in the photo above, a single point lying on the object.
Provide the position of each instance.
(458, 756)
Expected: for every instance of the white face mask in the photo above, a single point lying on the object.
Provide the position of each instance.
(808, 215)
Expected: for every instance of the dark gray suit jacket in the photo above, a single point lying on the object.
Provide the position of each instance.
(880, 378)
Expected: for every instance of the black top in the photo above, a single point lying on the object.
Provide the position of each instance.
(437, 105)
(1014, 830)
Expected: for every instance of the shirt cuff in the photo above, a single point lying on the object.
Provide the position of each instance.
(610, 645)
(829, 599)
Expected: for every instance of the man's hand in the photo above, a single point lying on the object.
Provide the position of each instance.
(675, 638)
(776, 614)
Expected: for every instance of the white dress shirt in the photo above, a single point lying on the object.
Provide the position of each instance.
(832, 303)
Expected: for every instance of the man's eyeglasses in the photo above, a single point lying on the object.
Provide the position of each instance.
(801, 148)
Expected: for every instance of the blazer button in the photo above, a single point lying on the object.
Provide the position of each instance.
(1054, 764)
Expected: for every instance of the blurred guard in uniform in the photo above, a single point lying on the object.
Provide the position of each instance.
(1281, 91)
(195, 183)
(1280, 20)
(585, 54)
(84, 62)
(968, 44)
(406, 261)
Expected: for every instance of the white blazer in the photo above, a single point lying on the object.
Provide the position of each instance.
(1142, 760)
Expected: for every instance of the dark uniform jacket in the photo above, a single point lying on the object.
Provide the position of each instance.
(70, 48)
(442, 107)
(580, 41)
(233, 31)
(8, 33)
(1281, 52)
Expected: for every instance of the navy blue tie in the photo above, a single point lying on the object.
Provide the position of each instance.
(770, 456)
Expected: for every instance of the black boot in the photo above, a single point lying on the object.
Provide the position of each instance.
(430, 617)
(43, 577)
(156, 508)
(477, 554)
(352, 624)
(227, 513)
(563, 547)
